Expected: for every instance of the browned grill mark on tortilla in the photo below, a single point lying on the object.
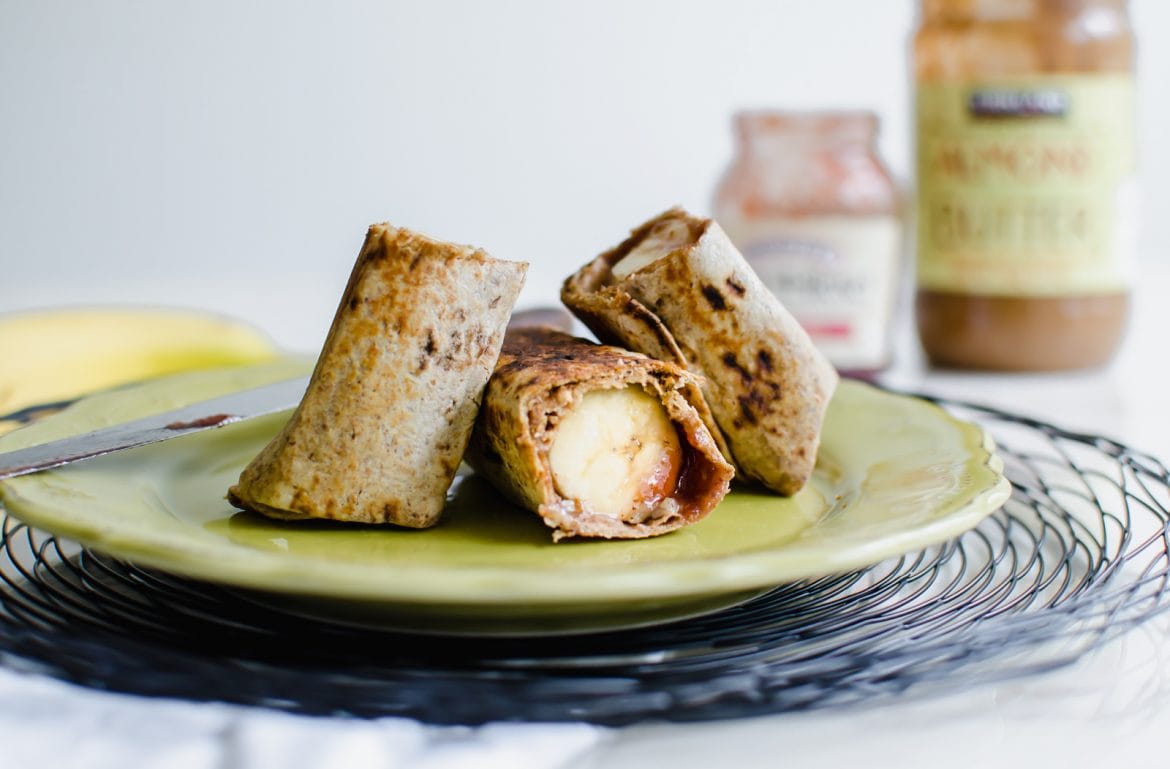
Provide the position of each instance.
(765, 360)
(737, 288)
(427, 353)
(714, 297)
(746, 409)
(732, 363)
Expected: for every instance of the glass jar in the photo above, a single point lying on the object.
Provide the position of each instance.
(1025, 166)
(816, 214)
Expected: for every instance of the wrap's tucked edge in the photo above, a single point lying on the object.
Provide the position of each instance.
(700, 305)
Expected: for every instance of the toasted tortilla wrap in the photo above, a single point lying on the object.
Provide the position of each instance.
(391, 403)
(599, 441)
(678, 290)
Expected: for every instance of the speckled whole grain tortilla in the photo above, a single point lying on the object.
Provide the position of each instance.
(541, 374)
(703, 307)
(391, 403)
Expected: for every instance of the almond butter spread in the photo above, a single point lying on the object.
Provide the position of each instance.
(1025, 181)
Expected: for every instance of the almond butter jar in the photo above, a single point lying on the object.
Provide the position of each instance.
(817, 216)
(1025, 165)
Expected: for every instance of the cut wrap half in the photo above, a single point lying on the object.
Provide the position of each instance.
(391, 403)
(599, 441)
(679, 291)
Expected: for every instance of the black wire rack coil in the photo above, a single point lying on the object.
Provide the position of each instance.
(1078, 555)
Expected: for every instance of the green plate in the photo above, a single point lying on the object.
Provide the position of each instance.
(894, 474)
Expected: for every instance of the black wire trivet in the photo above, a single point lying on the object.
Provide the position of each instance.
(1078, 555)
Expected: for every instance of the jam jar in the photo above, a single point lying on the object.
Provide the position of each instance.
(816, 213)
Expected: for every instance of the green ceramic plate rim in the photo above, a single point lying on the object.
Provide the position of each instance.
(229, 563)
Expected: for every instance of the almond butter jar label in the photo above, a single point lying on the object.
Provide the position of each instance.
(1025, 185)
(835, 274)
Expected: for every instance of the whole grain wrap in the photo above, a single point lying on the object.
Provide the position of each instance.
(685, 294)
(391, 403)
(578, 433)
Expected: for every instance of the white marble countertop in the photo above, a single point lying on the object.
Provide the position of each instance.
(1109, 709)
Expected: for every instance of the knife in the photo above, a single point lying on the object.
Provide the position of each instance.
(197, 417)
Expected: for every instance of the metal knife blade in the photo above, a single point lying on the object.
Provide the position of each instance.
(205, 415)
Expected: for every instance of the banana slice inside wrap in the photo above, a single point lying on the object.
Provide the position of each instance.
(598, 441)
(617, 451)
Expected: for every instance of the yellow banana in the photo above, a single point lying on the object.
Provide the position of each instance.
(617, 453)
(57, 355)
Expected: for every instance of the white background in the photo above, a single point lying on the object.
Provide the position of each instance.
(230, 155)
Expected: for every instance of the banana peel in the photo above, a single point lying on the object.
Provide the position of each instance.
(51, 357)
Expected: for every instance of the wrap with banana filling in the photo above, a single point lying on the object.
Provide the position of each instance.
(678, 290)
(391, 403)
(599, 441)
